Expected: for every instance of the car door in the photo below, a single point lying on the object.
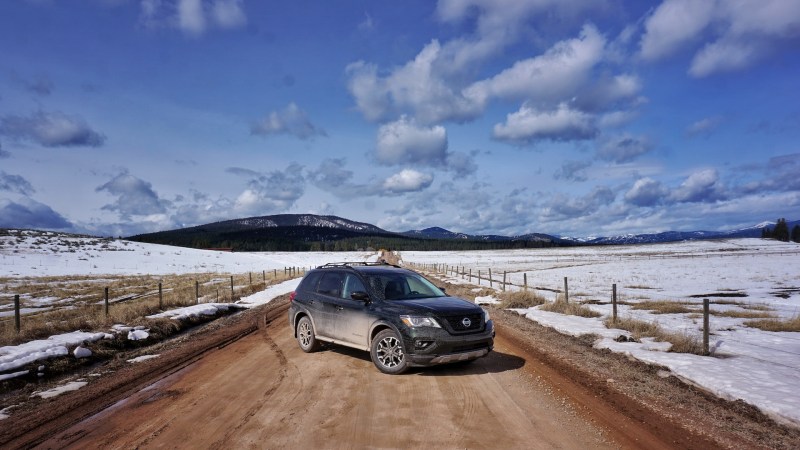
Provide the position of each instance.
(329, 292)
(353, 317)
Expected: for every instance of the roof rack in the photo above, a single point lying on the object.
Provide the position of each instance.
(356, 263)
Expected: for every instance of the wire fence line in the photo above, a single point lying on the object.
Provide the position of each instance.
(168, 290)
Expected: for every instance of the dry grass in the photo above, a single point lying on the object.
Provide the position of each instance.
(681, 342)
(742, 314)
(756, 307)
(792, 324)
(130, 300)
(637, 328)
(521, 299)
(664, 307)
(572, 309)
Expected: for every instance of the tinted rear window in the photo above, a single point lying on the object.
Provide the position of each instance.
(310, 282)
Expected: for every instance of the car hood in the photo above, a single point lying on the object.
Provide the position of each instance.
(440, 305)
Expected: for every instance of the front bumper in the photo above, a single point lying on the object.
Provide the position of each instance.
(431, 346)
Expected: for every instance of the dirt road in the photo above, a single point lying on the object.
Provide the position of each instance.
(242, 382)
(263, 392)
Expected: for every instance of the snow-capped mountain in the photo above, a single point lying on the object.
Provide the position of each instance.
(295, 220)
(675, 236)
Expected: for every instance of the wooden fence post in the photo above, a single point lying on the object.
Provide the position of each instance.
(504, 281)
(479, 278)
(16, 313)
(525, 280)
(275, 273)
(491, 284)
(566, 290)
(614, 300)
(231, 288)
(705, 327)
(264, 275)
(106, 299)
(160, 297)
(251, 277)
(470, 275)
(196, 292)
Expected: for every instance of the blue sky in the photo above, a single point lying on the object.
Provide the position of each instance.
(482, 116)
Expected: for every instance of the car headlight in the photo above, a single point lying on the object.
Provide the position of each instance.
(419, 321)
(485, 316)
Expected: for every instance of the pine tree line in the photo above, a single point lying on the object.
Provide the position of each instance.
(781, 232)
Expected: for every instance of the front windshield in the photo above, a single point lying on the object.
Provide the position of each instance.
(403, 286)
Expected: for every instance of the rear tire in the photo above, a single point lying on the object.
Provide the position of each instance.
(387, 353)
(305, 335)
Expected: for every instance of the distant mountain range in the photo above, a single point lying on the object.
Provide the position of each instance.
(649, 238)
(302, 232)
(441, 233)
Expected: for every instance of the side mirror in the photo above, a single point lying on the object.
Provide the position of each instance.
(360, 295)
(443, 290)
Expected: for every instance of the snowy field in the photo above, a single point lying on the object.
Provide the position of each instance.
(40, 254)
(743, 275)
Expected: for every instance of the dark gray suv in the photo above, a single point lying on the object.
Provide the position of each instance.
(396, 314)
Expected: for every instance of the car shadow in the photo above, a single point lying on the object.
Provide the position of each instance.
(494, 362)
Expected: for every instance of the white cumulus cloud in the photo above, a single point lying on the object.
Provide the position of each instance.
(407, 180)
(732, 34)
(529, 125)
(291, 120)
(193, 17)
(403, 141)
(700, 187)
(552, 76)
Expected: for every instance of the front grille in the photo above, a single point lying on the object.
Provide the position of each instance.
(457, 322)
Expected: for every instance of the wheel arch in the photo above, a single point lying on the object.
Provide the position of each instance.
(296, 319)
(380, 326)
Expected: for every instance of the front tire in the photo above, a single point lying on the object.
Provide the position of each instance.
(305, 335)
(387, 353)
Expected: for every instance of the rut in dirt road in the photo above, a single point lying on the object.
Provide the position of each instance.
(265, 398)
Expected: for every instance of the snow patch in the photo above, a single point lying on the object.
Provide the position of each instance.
(71, 386)
(138, 335)
(8, 376)
(16, 356)
(82, 352)
(203, 309)
(488, 300)
(142, 358)
(270, 293)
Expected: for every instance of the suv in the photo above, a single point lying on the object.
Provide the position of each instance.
(396, 314)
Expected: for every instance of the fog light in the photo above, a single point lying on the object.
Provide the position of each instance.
(419, 345)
